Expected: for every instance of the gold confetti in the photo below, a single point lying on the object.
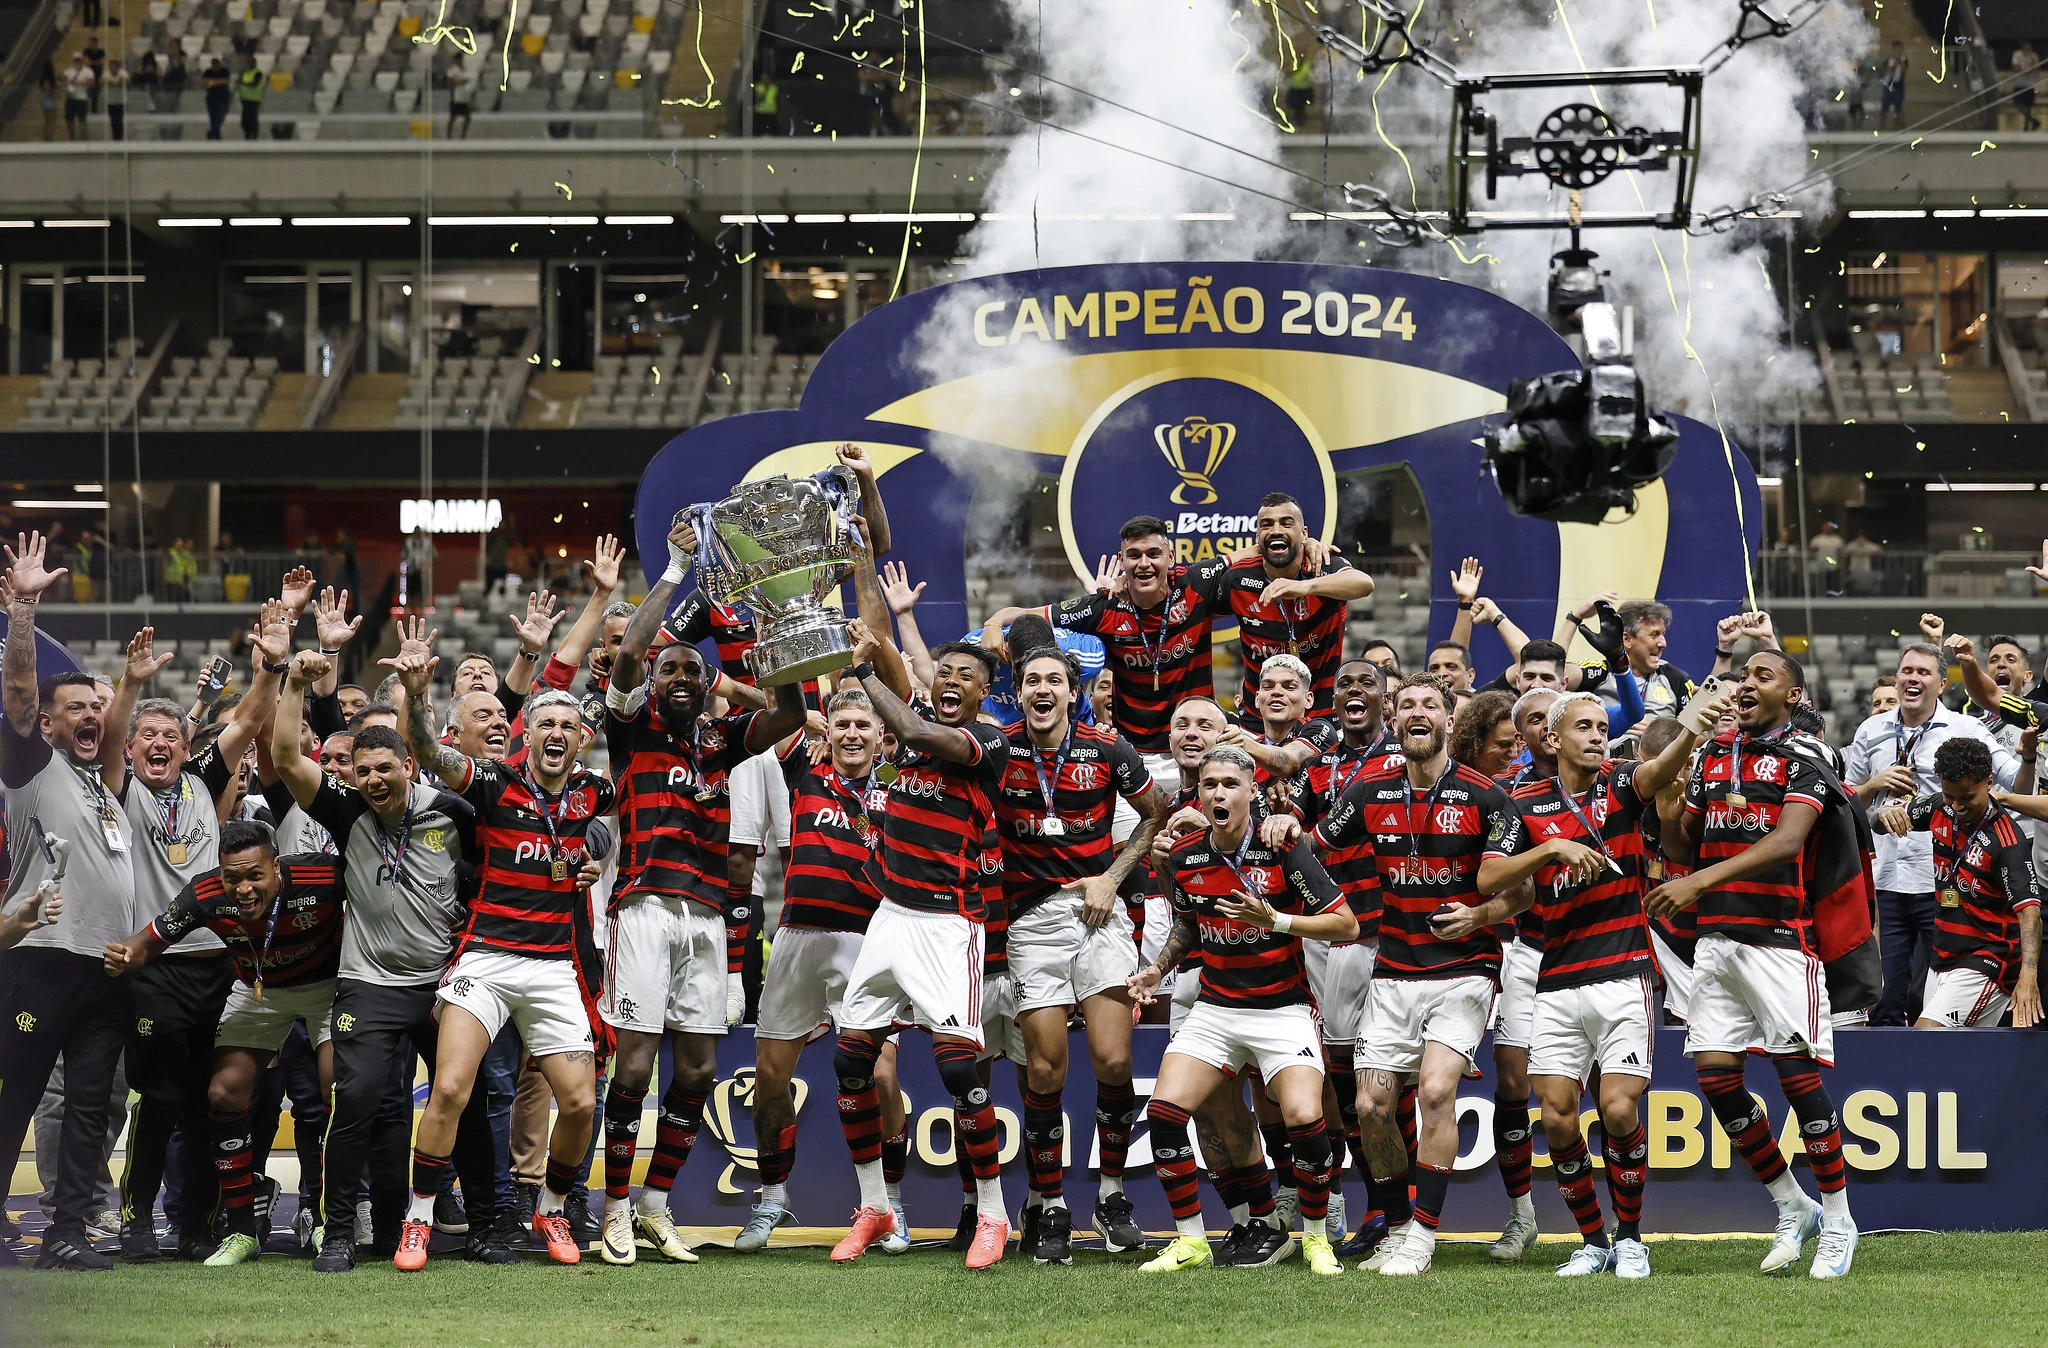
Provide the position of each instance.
(657, 374)
(568, 193)
(1987, 145)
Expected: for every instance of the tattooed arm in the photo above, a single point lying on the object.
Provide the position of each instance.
(451, 765)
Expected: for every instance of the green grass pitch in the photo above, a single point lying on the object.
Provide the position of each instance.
(1972, 1289)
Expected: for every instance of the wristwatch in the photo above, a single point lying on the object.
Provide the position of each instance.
(277, 668)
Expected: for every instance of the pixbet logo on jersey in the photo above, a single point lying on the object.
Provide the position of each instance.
(538, 851)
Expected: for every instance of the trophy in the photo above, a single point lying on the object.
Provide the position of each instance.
(775, 548)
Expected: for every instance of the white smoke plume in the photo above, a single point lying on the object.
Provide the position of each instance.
(1710, 323)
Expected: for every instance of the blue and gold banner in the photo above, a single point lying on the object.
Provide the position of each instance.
(1942, 1129)
(1188, 391)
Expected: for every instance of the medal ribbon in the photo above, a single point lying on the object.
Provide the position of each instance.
(547, 811)
(1048, 785)
(1428, 805)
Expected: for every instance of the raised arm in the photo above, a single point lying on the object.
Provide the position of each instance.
(1485, 611)
(604, 576)
(785, 718)
(334, 629)
(533, 631)
(142, 666)
(1465, 587)
(871, 509)
(1652, 777)
(1568, 623)
(27, 579)
(912, 731)
(272, 642)
(416, 676)
(629, 666)
(1976, 682)
(874, 611)
(902, 598)
(300, 774)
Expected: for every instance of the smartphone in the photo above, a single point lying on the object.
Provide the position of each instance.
(35, 826)
(1702, 695)
(217, 673)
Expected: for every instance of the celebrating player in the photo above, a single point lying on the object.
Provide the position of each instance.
(1070, 938)
(1987, 945)
(667, 966)
(923, 951)
(1578, 835)
(1432, 995)
(1758, 985)
(1247, 906)
(527, 953)
(280, 918)
(829, 897)
(402, 845)
(1290, 599)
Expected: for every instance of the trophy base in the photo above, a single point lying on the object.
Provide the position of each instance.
(798, 651)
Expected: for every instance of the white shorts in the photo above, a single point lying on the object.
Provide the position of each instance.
(265, 1025)
(1056, 961)
(1000, 1036)
(1753, 998)
(1961, 997)
(1606, 1023)
(1405, 1013)
(917, 968)
(664, 966)
(1187, 990)
(1340, 977)
(1677, 975)
(1515, 1015)
(804, 986)
(539, 997)
(1271, 1039)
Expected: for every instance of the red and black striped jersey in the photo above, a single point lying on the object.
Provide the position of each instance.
(1681, 930)
(1320, 734)
(1593, 932)
(1983, 878)
(1244, 965)
(522, 907)
(1162, 874)
(933, 833)
(674, 806)
(296, 941)
(1528, 924)
(700, 617)
(1428, 844)
(1355, 869)
(995, 936)
(830, 882)
(1768, 909)
(1311, 628)
(1158, 656)
(1087, 773)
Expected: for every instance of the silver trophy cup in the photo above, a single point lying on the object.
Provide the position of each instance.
(779, 546)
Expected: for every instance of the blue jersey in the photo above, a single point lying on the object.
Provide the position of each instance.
(1001, 698)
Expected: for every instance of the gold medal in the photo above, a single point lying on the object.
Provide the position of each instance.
(1951, 898)
(886, 773)
(558, 869)
(1294, 648)
(1655, 868)
(256, 990)
(1737, 799)
(175, 853)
